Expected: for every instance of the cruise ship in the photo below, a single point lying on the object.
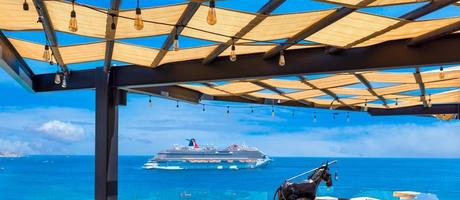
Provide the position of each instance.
(195, 157)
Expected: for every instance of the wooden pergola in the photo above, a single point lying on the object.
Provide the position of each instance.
(349, 46)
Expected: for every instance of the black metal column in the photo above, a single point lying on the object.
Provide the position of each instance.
(106, 177)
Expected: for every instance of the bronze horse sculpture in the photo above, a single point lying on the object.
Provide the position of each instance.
(305, 190)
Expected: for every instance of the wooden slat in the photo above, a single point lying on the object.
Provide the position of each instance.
(50, 33)
(213, 86)
(186, 16)
(325, 91)
(112, 17)
(408, 17)
(365, 82)
(421, 85)
(262, 14)
(438, 33)
(328, 20)
(273, 89)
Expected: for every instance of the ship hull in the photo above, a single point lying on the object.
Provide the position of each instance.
(219, 165)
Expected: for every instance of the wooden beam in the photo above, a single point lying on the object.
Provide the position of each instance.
(301, 61)
(14, 65)
(281, 93)
(213, 86)
(50, 33)
(369, 87)
(325, 91)
(262, 14)
(112, 19)
(314, 28)
(106, 137)
(417, 110)
(186, 16)
(433, 35)
(408, 17)
(418, 79)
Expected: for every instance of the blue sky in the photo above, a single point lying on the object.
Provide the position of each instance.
(63, 122)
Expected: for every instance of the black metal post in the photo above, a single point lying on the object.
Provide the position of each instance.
(106, 173)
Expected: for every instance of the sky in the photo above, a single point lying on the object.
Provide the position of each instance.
(63, 122)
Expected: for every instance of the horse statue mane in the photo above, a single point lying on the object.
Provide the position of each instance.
(305, 190)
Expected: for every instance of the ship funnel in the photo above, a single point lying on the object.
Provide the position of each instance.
(192, 143)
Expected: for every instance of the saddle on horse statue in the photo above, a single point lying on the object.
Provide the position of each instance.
(305, 190)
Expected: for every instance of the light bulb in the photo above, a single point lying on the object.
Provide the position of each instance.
(73, 21)
(441, 73)
(233, 54)
(273, 113)
(314, 119)
(429, 101)
(212, 17)
(396, 102)
(176, 43)
(150, 103)
(64, 81)
(138, 23)
(282, 60)
(365, 106)
(46, 53)
(25, 6)
(57, 78)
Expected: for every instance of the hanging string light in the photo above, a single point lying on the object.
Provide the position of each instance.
(232, 52)
(73, 26)
(150, 101)
(46, 53)
(293, 113)
(25, 6)
(273, 111)
(212, 17)
(64, 80)
(138, 23)
(441, 73)
(204, 108)
(252, 109)
(314, 118)
(57, 77)
(177, 104)
(333, 116)
(348, 117)
(113, 25)
(396, 102)
(228, 110)
(429, 101)
(365, 106)
(176, 42)
(282, 60)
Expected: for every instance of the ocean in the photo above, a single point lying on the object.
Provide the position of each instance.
(71, 177)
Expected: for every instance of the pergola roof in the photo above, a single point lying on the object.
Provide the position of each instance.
(261, 35)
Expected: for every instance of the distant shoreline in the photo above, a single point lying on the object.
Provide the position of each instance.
(325, 157)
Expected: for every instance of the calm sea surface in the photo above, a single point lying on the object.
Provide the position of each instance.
(71, 177)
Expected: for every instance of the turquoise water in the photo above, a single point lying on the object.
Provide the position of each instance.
(71, 177)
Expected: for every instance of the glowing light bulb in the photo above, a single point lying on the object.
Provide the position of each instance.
(46, 53)
(282, 60)
(233, 54)
(138, 23)
(73, 26)
(57, 78)
(441, 73)
(25, 6)
(212, 17)
(176, 43)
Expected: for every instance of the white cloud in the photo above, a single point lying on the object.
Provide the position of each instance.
(62, 131)
(15, 147)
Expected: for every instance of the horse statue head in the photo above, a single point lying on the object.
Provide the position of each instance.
(305, 189)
